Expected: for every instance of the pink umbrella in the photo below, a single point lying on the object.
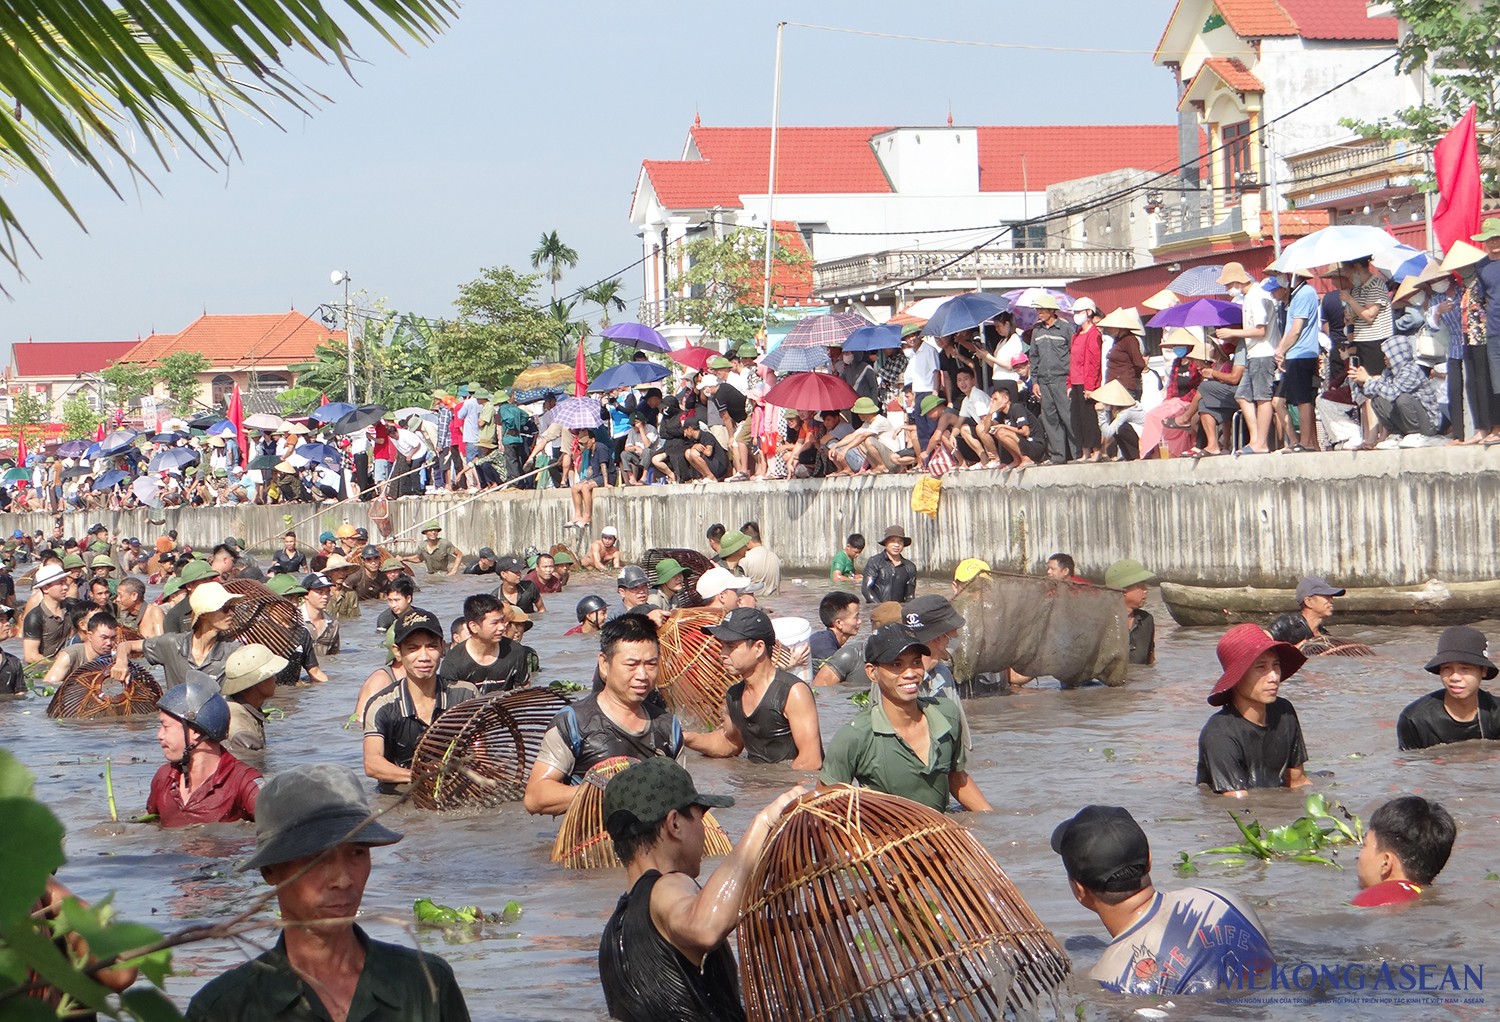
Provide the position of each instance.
(693, 356)
(821, 391)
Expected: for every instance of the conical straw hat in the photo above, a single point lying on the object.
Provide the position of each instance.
(1124, 319)
(1162, 300)
(1113, 394)
(1460, 255)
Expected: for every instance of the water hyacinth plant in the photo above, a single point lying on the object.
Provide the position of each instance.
(1324, 827)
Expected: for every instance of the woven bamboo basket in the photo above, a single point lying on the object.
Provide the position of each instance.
(480, 752)
(89, 693)
(693, 679)
(1327, 645)
(583, 843)
(869, 906)
(262, 616)
(694, 565)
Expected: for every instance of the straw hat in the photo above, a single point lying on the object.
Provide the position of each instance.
(1113, 394)
(248, 666)
(1124, 319)
(1462, 254)
(1202, 351)
(1161, 301)
(1045, 301)
(1416, 280)
(1234, 273)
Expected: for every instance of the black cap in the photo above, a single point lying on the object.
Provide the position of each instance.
(368, 552)
(640, 796)
(316, 580)
(510, 563)
(1462, 645)
(744, 624)
(414, 621)
(96, 527)
(361, 533)
(1104, 849)
(930, 616)
(888, 642)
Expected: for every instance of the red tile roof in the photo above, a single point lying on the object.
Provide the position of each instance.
(1234, 74)
(272, 339)
(1261, 19)
(63, 359)
(841, 160)
(1338, 20)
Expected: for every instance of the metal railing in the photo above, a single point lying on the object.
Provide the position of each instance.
(883, 269)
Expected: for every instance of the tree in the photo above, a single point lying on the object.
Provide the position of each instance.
(553, 254)
(500, 330)
(1459, 44)
(606, 295)
(567, 330)
(125, 382)
(80, 419)
(179, 372)
(392, 356)
(27, 413)
(90, 83)
(298, 401)
(724, 282)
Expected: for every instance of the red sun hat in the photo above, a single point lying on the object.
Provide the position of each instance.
(1240, 647)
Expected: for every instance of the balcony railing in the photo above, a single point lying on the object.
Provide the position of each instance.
(884, 269)
(1353, 168)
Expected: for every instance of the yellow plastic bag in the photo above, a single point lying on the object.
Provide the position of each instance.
(926, 495)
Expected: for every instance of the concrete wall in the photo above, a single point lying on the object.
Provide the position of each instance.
(1360, 519)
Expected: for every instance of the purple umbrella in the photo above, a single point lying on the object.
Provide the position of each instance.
(824, 331)
(635, 335)
(577, 413)
(1203, 312)
(73, 448)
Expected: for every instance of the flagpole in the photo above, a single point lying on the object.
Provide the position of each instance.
(765, 312)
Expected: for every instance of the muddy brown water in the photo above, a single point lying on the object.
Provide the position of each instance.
(1039, 755)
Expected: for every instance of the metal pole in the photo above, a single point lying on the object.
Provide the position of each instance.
(765, 311)
(1275, 195)
(349, 336)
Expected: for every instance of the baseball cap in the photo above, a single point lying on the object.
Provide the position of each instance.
(486, 554)
(414, 621)
(609, 530)
(510, 563)
(325, 536)
(744, 624)
(930, 616)
(361, 533)
(1104, 849)
(969, 568)
(316, 580)
(715, 580)
(640, 796)
(888, 642)
(632, 576)
(1314, 586)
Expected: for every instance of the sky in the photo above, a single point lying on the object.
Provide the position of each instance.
(431, 164)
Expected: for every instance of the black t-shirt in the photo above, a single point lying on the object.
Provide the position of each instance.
(288, 565)
(527, 596)
(1235, 755)
(731, 401)
(48, 631)
(821, 646)
(7, 586)
(506, 672)
(1142, 637)
(1426, 723)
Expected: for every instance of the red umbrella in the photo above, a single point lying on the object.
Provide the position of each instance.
(820, 391)
(693, 356)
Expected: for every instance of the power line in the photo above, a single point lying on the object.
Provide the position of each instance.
(974, 42)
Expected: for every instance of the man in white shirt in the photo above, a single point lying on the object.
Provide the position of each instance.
(1261, 333)
(976, 446)
(924, 381)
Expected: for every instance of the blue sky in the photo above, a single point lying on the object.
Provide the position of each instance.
(525, 118)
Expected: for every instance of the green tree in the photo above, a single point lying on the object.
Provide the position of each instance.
(126, 381)
(724, 282)
(179, 372)
(1459, 46)
(392, 362)
(90, 82)
(554, 255)
(298, 401)
(80, 419)
(565, 329)
(606, 295)
(499, 330)
(28, 412)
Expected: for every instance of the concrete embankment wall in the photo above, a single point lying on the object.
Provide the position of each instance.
(1373, 518)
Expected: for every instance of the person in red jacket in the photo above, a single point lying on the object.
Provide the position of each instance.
(200, 782)
(1085, 373)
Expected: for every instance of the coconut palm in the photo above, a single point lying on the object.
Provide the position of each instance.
(606, 295)
(91, 82)
(554, 255)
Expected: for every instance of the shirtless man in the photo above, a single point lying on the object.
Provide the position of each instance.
(604, 553)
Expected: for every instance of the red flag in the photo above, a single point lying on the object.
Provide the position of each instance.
(324, 401)
(119, 417)
(580, 373)
(21, 450)
(99, 433)
(1456, 163)
(235, 413)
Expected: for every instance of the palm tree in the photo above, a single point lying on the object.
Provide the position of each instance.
(86, 76)
(554, 255)
(606, 295)
(565, 328)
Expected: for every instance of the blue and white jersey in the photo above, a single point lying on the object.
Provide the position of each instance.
(1187, 941)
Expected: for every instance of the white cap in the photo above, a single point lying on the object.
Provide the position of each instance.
(609, 530)
(709, 380)
(715, 580)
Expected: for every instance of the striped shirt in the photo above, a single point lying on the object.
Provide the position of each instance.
(1372, 292)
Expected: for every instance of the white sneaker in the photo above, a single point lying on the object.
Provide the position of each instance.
(1418, 440)
(1390, 443)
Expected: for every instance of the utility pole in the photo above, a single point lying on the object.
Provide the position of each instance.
(342, 277)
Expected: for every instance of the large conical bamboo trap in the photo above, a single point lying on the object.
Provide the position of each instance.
(866, 906)
(693, 678)
(1042, 627)
(583, 843)
(89, 693)
(259, 615)
(1328, 645)
(479, 753)
(694, 565)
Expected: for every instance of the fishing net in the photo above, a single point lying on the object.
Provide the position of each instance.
(89, 693)
(1328, 645)
(583, 843)
(1041, 627)
(868, 906)
(694, 565)
(479, 753)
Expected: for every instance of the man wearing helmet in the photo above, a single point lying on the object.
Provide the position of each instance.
(592, 610)
(200, 782)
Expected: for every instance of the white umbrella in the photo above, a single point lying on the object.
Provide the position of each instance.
(1336, 244)
(267, 422)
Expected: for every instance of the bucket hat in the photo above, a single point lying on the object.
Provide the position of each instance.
(732, 542)
(1234, 273)
(1462, 645)
(895, 532)
(309, 809)
(248, 666)
(667, 569)
(865, 406)
(48, 574)
(1239, 648)
(640, 796)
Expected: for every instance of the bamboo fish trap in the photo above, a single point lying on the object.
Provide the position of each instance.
(694, 565)
(1327, 645)
(271, 620)
(479, 753)
(867, 906)
(693, 679)
(89, 693)
(583, 843)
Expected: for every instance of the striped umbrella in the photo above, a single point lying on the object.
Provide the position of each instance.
(824, 331)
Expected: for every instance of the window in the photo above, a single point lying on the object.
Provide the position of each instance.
(223, 387)
(1023, 235)
(1235, 138)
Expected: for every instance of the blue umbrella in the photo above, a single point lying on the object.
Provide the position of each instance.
(1203, 312)
(117, 441)
(164, 438)
(628, 374)
(222, 428)
(92, 452)
(73, 448)
(874, 338)
(327, 454)
(635, 335)
(964, 312)
(1198, 282)
(331, 412)
(786, 358)
(577, 413)
(174, 459)
(110, 480)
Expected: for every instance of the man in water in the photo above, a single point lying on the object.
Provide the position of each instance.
(438, 554)
(249, 682)
(670, 578)
(769, 713)
(1460, 711)
(1407, 844)
(906, 744)
(44, 628)
(618, 720)
(839, 612)
(289, 560)
(515, 590)
(760, 564)
(592, 612)
(204, 649)
(1315, 603)
(721, 589)
(486, 659)
(604, 553)
(888, 575)
(200, 782)
(545, 575)
(634, 587)
(1255, 741)
(486, 562)
(664, 953)
(1132, 577)
(323, 965)
(100, 633)
(1163, 942)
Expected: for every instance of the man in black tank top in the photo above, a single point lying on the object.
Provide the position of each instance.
(768, 713)
(618, 720)
(663, 954)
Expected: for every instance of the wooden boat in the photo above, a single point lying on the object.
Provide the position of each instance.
(1431, 603)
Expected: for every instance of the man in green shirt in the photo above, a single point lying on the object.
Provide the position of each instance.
(907, 744)
(323, 966)
(842, 569)
(440, 555)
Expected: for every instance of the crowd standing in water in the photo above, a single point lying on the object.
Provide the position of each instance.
(664, 951)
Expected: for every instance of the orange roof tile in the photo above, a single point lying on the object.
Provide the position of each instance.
(1259, 19)
(265, 340)
(1234, 74)
(1338, 20)
(61, 359)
